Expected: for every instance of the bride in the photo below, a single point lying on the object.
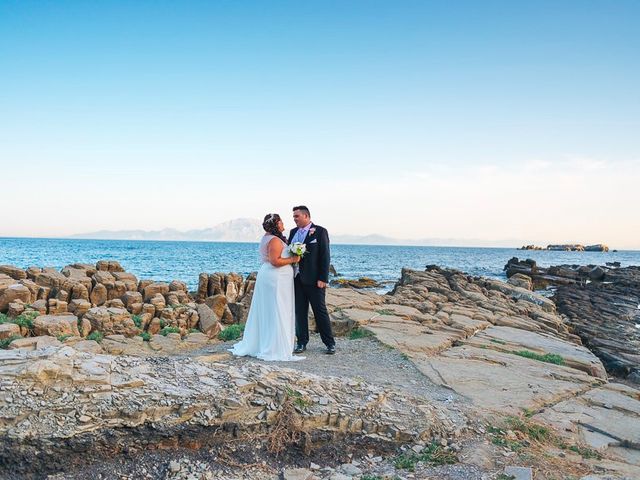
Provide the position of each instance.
(270, 329)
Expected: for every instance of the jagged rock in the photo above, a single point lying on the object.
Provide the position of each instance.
(13, 272)
(12, 293)
(217, 303)
(79, 307)
(176, 286)
(98, 295)
(209, 322)
(105, 400)
(56, 307)
(203, 285)
(362, 282)
(109, 266)
(158, 303)
(55, 325)
(40, 306)
(154, 326)
(129, 279)
(153, 289)
(15, 308)
(79, 291)
(521, 280)
(131, 297)
(49, 278)
(85, 327)
(8, 330)
(116, 291)
(604, 315)
(111, 321)
(114, 303)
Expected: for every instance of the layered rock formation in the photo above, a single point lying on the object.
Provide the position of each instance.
(600, 304)
(507, 350)
(98, 406)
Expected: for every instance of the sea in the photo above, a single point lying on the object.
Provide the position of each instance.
(183, 260)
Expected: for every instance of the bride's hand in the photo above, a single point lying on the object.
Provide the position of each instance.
(295, 259)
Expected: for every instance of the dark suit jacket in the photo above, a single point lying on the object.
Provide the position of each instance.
(314, 265)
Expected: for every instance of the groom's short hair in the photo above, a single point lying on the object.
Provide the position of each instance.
(303, 209)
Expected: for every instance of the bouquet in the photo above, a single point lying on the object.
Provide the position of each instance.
(298, 249)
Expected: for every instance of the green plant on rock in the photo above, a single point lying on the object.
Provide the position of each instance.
(371, 477)
(167, 330)
(534, 431)
(137, 319)
(5, 342)
(194, 330)
(358, 332)
(504, 476)
(25, 320)
(3, 318)
(146, 336)
(433, 454)
(297, 397)
(96, 336)
(547, 357)
(232, 332)
(62, 338)
(385, 311)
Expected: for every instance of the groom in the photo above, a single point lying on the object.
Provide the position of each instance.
(311, 278)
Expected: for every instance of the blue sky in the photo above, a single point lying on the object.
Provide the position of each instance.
(398, 117)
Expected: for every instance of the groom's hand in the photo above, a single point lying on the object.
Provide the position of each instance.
(321, 284)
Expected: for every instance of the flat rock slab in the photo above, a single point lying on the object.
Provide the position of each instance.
(503, 382)
(602, 417)
(513, 339)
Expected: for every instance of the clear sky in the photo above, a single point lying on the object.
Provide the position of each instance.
(500, 121)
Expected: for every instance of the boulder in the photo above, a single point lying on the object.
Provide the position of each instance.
(217, 303)
(13, 272)
(40, 306)
(111, 321)
(177, 285)
(79, 307)
(16, 308)
(203, 285)
(8, 330)
(521, 280)
(98, 295)
(56, 325)
(209, 322)
(12, 293)
(158, 303)
(50, 278)
(105, 278)
(131, 297)
(109, 266)
(56, 307)
(153, 289)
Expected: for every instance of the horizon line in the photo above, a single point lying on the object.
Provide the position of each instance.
(611, 250)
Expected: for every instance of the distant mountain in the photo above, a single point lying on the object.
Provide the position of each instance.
(238, 230)
(250, 230)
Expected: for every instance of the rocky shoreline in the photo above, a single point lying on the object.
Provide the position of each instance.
(601, 304)
(113, 370)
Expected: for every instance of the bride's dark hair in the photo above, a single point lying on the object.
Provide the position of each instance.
(270, 225)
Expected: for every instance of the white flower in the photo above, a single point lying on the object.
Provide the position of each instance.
(298, 248)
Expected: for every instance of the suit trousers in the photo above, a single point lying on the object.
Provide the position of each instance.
(311, 294)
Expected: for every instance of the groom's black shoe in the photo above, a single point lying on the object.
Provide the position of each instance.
(331, 350)
(299, 348)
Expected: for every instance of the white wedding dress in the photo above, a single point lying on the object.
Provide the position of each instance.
(269, 333)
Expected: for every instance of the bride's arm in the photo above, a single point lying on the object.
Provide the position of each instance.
(275, 251)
